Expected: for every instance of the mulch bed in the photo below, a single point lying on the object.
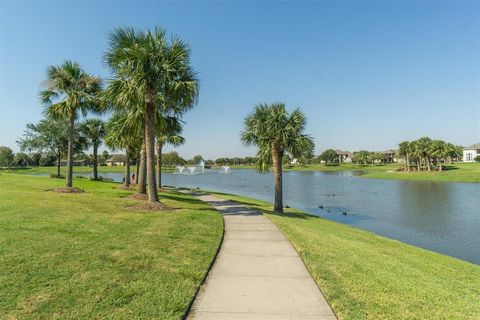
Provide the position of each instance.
(151, 206)
(67, 190)
(145, 205)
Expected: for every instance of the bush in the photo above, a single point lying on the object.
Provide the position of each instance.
(477, 159)
(57, 176)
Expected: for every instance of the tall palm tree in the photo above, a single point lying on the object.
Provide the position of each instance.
(439, 151)
(70, 90)
(276, 132)
(151, 70)
(404, 151)
(168, 132)
(94, 130)
(123, 134)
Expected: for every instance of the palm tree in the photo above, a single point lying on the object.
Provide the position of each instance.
(70, 90)
(275, 132)
(168, 132)
(438, 151)
(123, 134)
(404, 151)
(94, 130)
(151, 70)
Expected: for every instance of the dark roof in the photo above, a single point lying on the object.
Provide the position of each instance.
(388, 151)
(338, 151)
(475, 146)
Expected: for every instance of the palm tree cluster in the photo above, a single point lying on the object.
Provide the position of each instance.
(428, 154)
(152, 86)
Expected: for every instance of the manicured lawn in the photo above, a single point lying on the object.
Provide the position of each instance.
(459, 172)
(87, 256)
(80, 169)
(365, 276)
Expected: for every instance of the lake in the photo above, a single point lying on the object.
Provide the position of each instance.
(439, 216)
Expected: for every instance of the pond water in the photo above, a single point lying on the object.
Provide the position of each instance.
(442, 217)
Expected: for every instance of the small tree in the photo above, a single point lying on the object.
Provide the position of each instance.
(329, 156)
(6, 157)
(94, 131)
(477, 159)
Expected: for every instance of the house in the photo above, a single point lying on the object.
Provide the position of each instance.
(470, 153)
(344, 156)
(389, 156)
(117, 160)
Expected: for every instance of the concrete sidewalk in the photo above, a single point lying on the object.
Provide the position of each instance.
(257, 273)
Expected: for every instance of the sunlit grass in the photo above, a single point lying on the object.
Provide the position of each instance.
(88, 256)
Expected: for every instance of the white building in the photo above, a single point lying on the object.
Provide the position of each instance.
(470, 153)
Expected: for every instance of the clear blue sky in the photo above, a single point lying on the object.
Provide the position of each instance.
(367, 74)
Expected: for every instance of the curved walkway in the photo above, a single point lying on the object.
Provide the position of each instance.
(257, 273)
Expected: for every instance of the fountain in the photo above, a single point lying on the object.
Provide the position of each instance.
(180, 169)
(198, 169)
(225, 169)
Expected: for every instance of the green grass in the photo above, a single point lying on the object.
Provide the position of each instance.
(461, 172)
(88, 256)
(79, 169)
(365, 276)
(458, 172)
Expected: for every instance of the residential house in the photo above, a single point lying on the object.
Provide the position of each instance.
(470, 153)
(117, 160)
(344, 156)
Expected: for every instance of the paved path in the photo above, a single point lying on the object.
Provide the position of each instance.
(257, 273)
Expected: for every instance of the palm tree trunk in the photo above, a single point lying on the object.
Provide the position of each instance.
(142, 174)
(150, 151)
(137, 163)
(277, 173)
(159, 163)
(71, 127)
(127, 166)
(428, 164)
(59, 159)
(95, 162)
(408, 162)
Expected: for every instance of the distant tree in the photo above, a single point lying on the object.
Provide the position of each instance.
(35, 158)
(329, 156)
(404, 151)
(172, 159)
(6, 157)
(49, 159)
(274, 131)
(49, 136)
(70, 90)
(197, 159)
(123, 133)
(377, 157)
(94, 131)
(102, 159)
(362, 157)
(21, 160)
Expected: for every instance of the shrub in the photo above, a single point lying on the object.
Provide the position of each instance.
(57, 176)
(477, 159)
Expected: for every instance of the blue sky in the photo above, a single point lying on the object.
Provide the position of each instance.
(368, 74)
